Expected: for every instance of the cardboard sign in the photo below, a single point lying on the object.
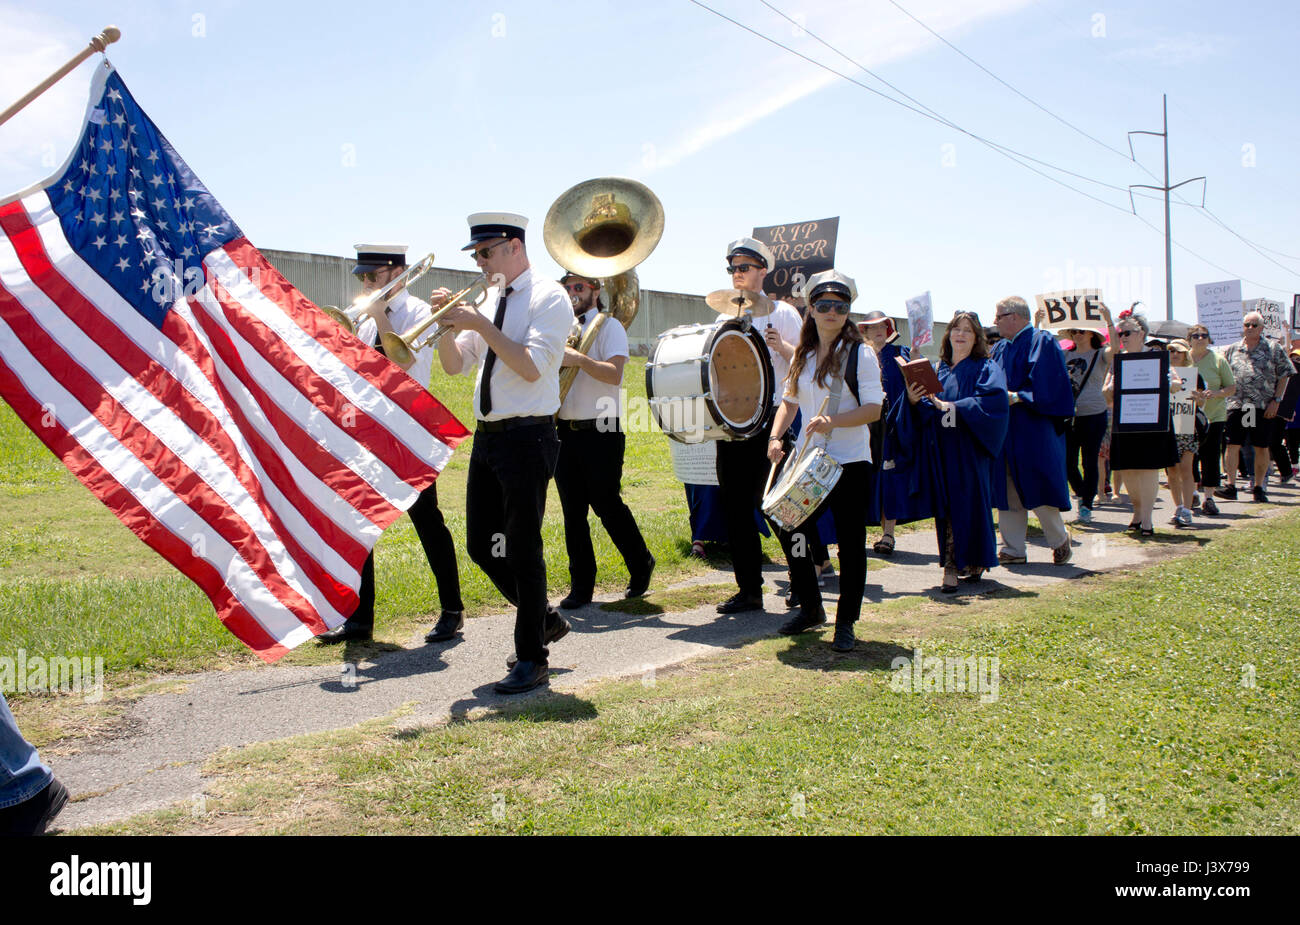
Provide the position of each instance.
(800, 249)
(1274, 317)
(920, 320)
(1073, 309)
(1181, 404)
(1218, 307)
(1295, 313)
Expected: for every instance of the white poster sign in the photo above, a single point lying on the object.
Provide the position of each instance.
(920, 320)
(1181, 403)
(695, 463)
(1073, 309)
(1140, 374)
(1218, 307)
(1274, 317)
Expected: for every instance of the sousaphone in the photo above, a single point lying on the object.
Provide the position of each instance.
(602, 229)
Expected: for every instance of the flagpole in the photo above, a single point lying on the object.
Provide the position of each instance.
(100, 42)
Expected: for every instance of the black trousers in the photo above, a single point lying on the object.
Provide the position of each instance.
(504, 503)
(589, 476)
(1277, 449)
(848, 506)
(742, 471)
(1210, 456)
(438, 549)
(1084, 435)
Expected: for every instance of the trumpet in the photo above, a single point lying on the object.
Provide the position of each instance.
(364, 305)
(400, 348)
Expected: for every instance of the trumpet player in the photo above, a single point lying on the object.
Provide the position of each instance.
(377, 266)
(592, 443)
(516, 339)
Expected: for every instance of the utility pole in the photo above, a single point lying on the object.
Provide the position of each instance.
(1166, 189)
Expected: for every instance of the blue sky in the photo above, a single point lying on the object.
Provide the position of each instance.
(318, 126)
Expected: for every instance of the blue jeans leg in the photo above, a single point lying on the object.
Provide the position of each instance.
(22, 775)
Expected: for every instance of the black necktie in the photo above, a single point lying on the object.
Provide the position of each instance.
(485, 392)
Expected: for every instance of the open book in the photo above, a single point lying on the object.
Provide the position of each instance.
(920, 371)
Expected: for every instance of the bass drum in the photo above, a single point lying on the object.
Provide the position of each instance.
(710, 381)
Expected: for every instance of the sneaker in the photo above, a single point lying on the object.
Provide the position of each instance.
(1061, 554)
(1196, 500)
(1227, 494)
(1208, 506)
(1183, 518)
(1085, 515)
(1257, 493)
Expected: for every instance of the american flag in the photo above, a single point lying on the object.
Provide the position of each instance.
(220, 415)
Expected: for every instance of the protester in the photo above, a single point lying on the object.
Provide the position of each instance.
(1261, 368)
(1182, 486)
(1219, 386)
(1030, 472)
(1138, 457)
(887, 499)
(959, 433)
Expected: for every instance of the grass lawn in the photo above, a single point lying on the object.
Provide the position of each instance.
(1162, 701)
(74, 581)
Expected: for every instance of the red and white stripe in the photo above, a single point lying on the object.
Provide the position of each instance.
(251, 442)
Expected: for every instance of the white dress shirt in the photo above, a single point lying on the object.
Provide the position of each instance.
(785, 318)
(539, 315)
(404, 312)
(845, 444)
(589, 397)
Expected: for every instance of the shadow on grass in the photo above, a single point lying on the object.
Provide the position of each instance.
(811, 652)
(537, 706)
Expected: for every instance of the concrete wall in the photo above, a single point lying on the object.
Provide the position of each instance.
(327, 280)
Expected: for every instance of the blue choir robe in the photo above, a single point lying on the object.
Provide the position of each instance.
(886, 480)
(1034, 451)
(956, 463)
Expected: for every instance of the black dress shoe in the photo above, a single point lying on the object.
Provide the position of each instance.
(792, 599)
(741, 603)
(523, 677)
(554, 633)
(844, 638)
(33, 815)
(449, 624)
(640, 583)
(345, 633)
(575, 600)
(803, 621)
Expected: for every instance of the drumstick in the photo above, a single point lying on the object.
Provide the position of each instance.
(770, 474)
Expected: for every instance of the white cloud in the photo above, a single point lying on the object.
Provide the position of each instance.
(862, 34)
(1173, 51)
(36, 141)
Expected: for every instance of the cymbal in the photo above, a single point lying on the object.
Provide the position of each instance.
(734, 301)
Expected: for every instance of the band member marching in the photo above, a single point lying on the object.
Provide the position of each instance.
(742, 464)
(377, 266)
(516, 338)
(592, 443)
(831, 346)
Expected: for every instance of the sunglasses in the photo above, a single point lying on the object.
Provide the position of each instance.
(483, 252)
(368, 277)
(1003, 315)
(1128, 333)
(734, 268)
(831, 305)
(1199, 336)
(1251, 324)
(579, 288)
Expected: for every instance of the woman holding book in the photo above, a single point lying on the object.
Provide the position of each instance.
(835, 382)
(957, 431)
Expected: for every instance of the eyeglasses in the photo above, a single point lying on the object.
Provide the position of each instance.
(1129, 333)
(579, 288)
(1003, 315)
(734, 268)
(483, 252)
(828, 305)
(1199, 336)
(1251, 324)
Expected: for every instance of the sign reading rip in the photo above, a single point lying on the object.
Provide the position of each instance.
(801, 249)
(1073, 309)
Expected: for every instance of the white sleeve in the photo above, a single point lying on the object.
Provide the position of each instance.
(869, 388)
(471, 349)
(548, 330)
(613, 340)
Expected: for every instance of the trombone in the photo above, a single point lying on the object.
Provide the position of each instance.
(401, 348)
(365, 305)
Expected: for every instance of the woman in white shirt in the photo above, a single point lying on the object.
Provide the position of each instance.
(830, 345)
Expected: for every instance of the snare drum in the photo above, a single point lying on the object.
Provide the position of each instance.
(803, 486)
(710, 381)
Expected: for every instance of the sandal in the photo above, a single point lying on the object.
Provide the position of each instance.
(697, 550)
(947, 588)
(885, 545)
(972, 574)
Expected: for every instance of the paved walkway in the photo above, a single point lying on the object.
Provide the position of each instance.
(158, 757)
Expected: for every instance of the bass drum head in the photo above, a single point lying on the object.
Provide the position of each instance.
(740, 379)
